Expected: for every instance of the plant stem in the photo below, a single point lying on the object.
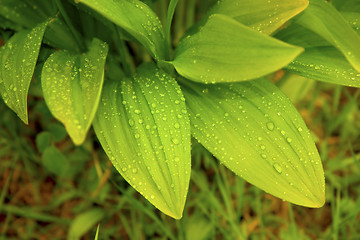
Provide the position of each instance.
(170, 15)
(128, 65)
(70, 25)
(190, 13)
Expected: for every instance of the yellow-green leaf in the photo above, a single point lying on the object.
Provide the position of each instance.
(72, 86)
(224, 50)
(17, 63)
(255, 131)
(143, 126)
(262, 15)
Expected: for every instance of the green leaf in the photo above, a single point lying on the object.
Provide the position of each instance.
(325, 64)
(55, 161)
(43, 141)
(84, 222)
(353, 18)
(323, 19)
(27, 13)
(224, 50)
(143, 126)
(262, 15)
(255, 131)
(72, 86)
(17, 63)
(137, 19)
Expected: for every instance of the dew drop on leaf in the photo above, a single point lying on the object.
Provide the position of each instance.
(277, 167)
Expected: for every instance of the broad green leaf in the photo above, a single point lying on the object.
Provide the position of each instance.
(143, 126)
(224, 50)
(84, 222)
(325, 64)
(323, 19)
(17, 63)
(353, 18)
(255, 131)
(55, 161)
(137, 19)
(262, 15)
(72, 86)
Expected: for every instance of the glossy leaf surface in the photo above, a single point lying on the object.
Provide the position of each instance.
(137, 19)
(262, 15)
(143, 126)
(72, 86)
(17, 63)
(323, 19)
(224, 50)
(325, 64)
(255, 131)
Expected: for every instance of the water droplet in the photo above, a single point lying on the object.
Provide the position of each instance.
(289, 140)
(270, 126)
(175, 141)
(177, 125)
(277, 167)
(131, 122)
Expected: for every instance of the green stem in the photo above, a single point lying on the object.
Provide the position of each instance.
(127, 63)
(179, 21)
(70, 25)
(169, 19)
(190, 13)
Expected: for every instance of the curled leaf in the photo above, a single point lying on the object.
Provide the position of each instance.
(72, 86)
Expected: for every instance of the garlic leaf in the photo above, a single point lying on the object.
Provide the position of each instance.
(143, 126)
(17, 63)
(72, 86)
(255, 131)
(224, 50)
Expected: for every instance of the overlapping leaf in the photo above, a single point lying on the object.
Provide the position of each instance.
(254, 130)
(137, 19)
(323, 19)
(143, 126)
(72, 86)
(262, 15)
(224, 50)
(17, 63)
(325, 64)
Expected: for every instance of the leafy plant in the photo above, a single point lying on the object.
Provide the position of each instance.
(116, 66)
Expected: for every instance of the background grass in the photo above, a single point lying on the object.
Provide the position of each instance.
(40, 201)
